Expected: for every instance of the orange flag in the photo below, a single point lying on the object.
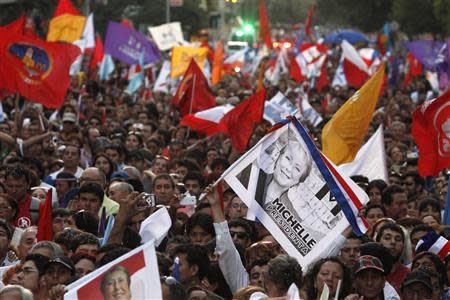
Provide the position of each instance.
(264, 29)
(216, 73)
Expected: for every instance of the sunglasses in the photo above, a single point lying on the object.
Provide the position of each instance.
(240, 235)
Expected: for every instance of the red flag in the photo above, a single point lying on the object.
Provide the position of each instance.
(264, 29)
(193, 93)
(45, 224)
(127, 23)
(65, 7)
(322, 81)
(36, 69)
(238, 123)
(23, 25)
(97, 54)
(204, 43)
(309, 21)
(431, 124)
(414, 68)
(295, 71)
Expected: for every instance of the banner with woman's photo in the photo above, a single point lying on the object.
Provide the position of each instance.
(134, 275)
(296, 193)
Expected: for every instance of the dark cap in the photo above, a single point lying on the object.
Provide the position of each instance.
(417, 276)
(379, 251)
(62, 260)
(366, 262)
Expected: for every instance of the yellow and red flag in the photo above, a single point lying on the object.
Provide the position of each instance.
(67, 24)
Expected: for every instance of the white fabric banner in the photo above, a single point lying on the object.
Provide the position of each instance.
(370, 160)
(156, 226)
(134, 275)
(167, 36)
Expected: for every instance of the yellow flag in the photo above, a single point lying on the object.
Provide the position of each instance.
(181, 57)
(343, 135)
(66, 28)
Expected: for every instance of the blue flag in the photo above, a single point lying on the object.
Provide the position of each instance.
(138, 79)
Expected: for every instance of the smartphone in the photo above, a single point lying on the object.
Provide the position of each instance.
(147, 200)
(188, 200)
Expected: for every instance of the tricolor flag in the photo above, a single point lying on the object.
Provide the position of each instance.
(296, 193)
(358, 65)
(433, 242)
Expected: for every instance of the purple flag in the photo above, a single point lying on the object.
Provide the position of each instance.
(126, 44)
(443, 65)
(426, 51)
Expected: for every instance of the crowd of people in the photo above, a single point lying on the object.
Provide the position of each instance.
(100, 151)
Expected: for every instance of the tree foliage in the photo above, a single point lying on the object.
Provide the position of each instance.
(416, 16)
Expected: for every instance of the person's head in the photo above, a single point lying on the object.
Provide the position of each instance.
(103, 162)
(282, 271)
(429, 260)
(256, 272)
(392, 237)
(59, 270)
(136, 159)
(200, 229)
(119, 190)
(90, 198)
(85, 243)
(32, 269)
(430, 206)
(375, 189)
(163, 188)
(417, 233)
(430, 220)
(193, 263)
(47, 249)
(160, 165)
(17, 182)
(293, 165)
(395, 202)
(327, 271)
(172, 289)
(373, 213)
(369, 277)
(194, 182)
(27, 240)
(237, 208)
(61, 218)
(39, 193)
(115, 152)
(116, 284)
(5, 237)
(350, 251)
(93, 175)
(64, 182)
(416, 285)
(13, 291)
(84, 264)
(9, 209)
(240, 232)
(133, 141)
(71, 156)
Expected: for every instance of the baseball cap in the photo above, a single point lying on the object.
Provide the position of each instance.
(417, 276)
(366, 262)
(69, 117)
(62, 260)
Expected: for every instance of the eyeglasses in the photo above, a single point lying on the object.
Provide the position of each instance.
(240, 235)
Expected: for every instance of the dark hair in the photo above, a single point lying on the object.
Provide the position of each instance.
(135, 154)
(195, 255)
(418, 180)
(203, 220)
(39, 260)
(239, 222)
(163, 176)
(18, 172)
(220, 161)
(83, 239)
(386, 197)
(377, 183)
(391, 226)
(92, 188)
(312, 274)
(429, 202)
(176, 290)
(29, 160)
(67, 237)
(13, 203)
(215, 276)
(284, 270)
(7, 229)
(257, 262)
(115, 147)
(85, 221)
(61, 212)
(373, 206)
(79, 256)
(112, 166)
(112, 270)
(437, 262)
(194, 175)
(112, 255)
(420, 227)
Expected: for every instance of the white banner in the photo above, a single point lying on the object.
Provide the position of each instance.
(282, 182)
(167, 36)
(134, 275)
(278, 108)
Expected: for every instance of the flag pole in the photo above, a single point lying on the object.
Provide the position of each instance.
(190, 104)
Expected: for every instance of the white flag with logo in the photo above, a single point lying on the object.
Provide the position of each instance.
(167, 36)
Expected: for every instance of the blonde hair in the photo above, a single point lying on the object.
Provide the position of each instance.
(245, 292)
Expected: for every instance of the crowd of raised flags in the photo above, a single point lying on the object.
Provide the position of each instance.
(240, 105)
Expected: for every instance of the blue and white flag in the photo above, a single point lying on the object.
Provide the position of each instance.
(296, 193)
(433, 242)
(138, 79)
(106, 67)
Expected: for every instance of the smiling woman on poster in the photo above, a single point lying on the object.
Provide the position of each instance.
(115, 284)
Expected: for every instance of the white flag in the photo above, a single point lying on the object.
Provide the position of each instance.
(162, 82)
(167, 36)
(156, 226)
(370, 160)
